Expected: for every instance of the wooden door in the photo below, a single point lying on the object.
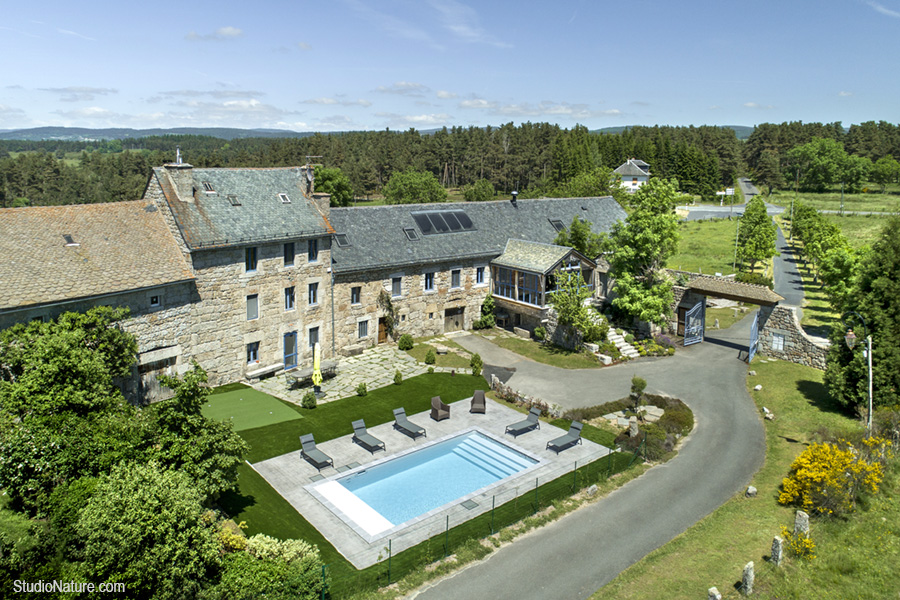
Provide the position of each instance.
(382, 331)
(454, 319)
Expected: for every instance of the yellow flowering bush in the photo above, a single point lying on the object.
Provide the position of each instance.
(232, 536)
(828, 478)
(799, 544)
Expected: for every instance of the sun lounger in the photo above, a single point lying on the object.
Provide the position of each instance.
(402, 424)
(529, 424)
(439, 410)
(566, 441)
(478, 404)
(313, 455)
(364, 438)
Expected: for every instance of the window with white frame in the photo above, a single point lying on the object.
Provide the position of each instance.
(778, 342)
(396, 286)
(155, 301)
(313, 294)
(252, 307)
(313, 337)
(455, 278)
(363, 329)
(479, 275)
(429, 282)
(253, 352)
(355, 295)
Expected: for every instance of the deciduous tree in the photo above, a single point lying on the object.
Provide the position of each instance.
(756, 238)
(333, 181)
(413, 187)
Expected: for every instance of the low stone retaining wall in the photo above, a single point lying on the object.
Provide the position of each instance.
(782, 337)
(507, 394)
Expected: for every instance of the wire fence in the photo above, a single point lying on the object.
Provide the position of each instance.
(506, 509)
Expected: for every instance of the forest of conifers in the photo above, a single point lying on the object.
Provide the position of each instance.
(532, 157)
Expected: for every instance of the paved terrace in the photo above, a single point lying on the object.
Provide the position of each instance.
(291, 476)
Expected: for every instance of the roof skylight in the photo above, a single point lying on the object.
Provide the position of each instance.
(442, 221)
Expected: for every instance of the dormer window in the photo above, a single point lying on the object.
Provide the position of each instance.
(208, 188)
(235, 201)
(70, 241)
(557, 224)
(284, 198)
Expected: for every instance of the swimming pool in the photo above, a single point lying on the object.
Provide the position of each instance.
(397, 490)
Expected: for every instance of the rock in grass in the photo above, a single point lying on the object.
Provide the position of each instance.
(751, 492)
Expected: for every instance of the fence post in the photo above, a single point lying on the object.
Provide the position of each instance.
(323, 582)
(493, 506)
(535, 494)
(575, 477)
(389, 562)
(447, 538)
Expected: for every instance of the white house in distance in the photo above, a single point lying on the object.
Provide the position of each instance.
(634, 173)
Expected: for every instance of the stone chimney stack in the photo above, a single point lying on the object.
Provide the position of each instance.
(181, 175)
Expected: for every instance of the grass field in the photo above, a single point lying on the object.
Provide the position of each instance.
(247, 408)
(857, 557)
(867, 202)
(546, 353)
(860, 230)
(451, 360)
(705, 247)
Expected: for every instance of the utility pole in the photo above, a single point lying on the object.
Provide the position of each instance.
(796, 193)
(736, 235)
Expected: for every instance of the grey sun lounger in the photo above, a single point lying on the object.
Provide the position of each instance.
(529, 424)
(364, 438)
(566, 441)
(478, 403)
(401, 423)
(313, 455)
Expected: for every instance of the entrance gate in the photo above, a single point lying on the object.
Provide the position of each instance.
(694, 323)
(754, 338)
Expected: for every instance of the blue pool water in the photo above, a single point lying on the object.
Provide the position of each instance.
(406, 487)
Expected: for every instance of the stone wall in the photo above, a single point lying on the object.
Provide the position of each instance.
(419, 312)
(779, 326)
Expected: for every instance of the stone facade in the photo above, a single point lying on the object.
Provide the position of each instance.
(419, 312)
(782, 337)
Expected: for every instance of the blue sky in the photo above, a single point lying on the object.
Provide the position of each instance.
(365, 64)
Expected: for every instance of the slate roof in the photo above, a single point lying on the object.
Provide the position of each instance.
(630, 168)
(377, 239)
(121, 246)
(733, 290)
(211, 220)
(536, 257)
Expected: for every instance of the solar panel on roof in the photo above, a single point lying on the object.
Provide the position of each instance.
(464, 220)
(452, 221)
(438, 221)
(423, 223)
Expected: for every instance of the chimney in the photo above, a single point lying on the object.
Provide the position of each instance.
(181, 174)
(512, 200)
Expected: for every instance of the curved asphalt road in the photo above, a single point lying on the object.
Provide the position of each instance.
(575, 556)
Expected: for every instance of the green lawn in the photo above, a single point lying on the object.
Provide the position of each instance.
(868, 202)
(545, 353)
(451, 360)
(705, 246)
(857, 558)
(859, 230)
(726, 317)
(248, 408)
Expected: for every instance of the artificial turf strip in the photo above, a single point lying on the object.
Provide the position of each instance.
(247, 408)
(333, 420)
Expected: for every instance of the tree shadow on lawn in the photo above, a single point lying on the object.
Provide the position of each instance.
(817, 395)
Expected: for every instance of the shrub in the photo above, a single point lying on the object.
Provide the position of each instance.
(828, 478)
(398, 377)
(755, 278)
(800, 545)
(638, 385)
(629, 338)
(540, 333)
(431, 369)
(487, 318)
(405, 342)
(664, 341)
(656, 442)
(309, 400)
(476, 364)
(361, 389)
(677, 419)
(430, 358)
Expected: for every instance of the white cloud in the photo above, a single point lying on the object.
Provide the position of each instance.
(462, 21)
(335, 122)
(220, 34)
(845, 94)
(715, 107)
(79, 93)
(392, 25)
(756, 105)
(544, 108)
(336, 101)
(75, 34)
(477, 103)
(403, 88)
(11, 114)
(398, 121)
(883, 9)
(89, 112)
(220, 94)
(303, 46)
(445, 95)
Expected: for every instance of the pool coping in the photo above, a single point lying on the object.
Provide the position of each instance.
(369, 538)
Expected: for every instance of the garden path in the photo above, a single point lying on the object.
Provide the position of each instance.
(578, 554)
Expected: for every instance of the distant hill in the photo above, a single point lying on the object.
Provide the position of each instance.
(741, 131)
(81, 134)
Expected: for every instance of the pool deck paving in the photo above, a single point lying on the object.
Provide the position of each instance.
(292, 477)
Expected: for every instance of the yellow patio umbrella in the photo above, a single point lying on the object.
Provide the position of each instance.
(317, 366)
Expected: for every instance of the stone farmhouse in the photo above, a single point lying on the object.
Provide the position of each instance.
(244, 270)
